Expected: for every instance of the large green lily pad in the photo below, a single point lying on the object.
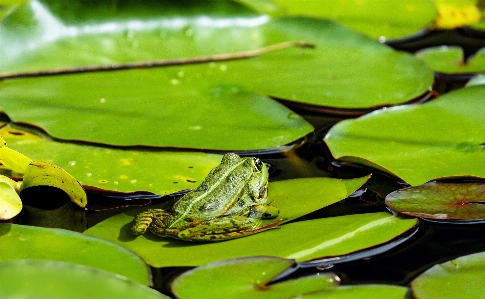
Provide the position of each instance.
(378, 19)
(418, 143)
(59, 280)
(302, 241)
(440, 201)
(247, 278)
(195, 105)
(29, 242)
(459, 278)
(124, 170)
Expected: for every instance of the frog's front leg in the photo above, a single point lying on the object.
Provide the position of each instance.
(142, 221)
(225, 228)
(264, 211)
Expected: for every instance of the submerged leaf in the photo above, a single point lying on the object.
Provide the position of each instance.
(441, 201)
(58, 280)
(459, 278)
(247, 278)
(46, 174)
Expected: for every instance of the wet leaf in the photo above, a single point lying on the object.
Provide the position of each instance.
(10, 202)
(68, 216)
(418, 143)
(90, 106)
(459, 278)
(124, 170)
(246, 278)
(46, 174)
(58, 280)
(451, 60)
(29, 242)
(434, 200)
(373, 291)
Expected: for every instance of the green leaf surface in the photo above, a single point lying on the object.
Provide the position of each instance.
(441, 201)
(373, 291)
(303, 241)
(246, 278)
(418, 143)
(378, 19)
(10, 202)
(29, 242)
(450, 60)
(59, 280)
(113, 108)
(124, 170)
(45, 174)
(459, 278)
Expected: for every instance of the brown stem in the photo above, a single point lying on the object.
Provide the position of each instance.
(160, 63)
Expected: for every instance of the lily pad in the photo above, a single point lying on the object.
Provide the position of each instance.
(373, 291)
(441, 201)
(378, 19)
(29, 242)
(450, 60)
(59, 280)
(303, 241)
(418, 143)
(247, 278)
(459, 278)
(124, 170)
(200, 101)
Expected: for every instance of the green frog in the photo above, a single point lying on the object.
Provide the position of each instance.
(228, 204)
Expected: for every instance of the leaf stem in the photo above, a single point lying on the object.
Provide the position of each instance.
(161, 63)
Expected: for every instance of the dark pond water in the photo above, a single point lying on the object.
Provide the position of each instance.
(432, 243)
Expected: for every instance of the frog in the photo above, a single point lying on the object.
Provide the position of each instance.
(229, 203)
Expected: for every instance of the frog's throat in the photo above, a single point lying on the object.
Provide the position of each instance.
(197, 199)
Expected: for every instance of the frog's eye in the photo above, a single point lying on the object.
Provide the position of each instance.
(258, 164)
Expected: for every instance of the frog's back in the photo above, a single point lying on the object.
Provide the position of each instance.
(217, 192)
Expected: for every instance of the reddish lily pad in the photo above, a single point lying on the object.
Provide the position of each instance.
(442, 201)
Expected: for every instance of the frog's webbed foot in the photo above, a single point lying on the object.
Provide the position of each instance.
(142, 221)
(225, 228)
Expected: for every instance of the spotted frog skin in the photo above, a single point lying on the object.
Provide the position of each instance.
(228, 204)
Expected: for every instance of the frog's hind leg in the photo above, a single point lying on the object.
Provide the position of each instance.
(142, 221)
(225, 228)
